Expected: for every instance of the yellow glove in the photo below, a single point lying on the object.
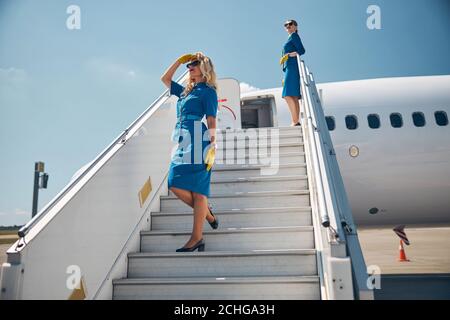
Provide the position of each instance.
(284, 58)
(210, 157)
(186, 58)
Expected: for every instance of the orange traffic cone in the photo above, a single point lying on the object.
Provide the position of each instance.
(402, 255)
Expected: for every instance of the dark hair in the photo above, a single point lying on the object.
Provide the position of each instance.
(293, 22)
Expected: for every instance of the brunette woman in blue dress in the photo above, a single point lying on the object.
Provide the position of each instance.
(291, 83)
(189, 175)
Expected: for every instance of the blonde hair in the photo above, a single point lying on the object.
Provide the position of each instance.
(208, 73)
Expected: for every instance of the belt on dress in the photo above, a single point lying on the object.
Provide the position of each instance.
(189, 117)
(176, 131)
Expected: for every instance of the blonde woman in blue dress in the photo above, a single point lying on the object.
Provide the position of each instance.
(189, 174)
(291, 83)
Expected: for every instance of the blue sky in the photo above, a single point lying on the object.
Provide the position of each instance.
(66, 94)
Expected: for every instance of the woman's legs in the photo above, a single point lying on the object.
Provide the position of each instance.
(294, 107)
(200, 213)
(183, 195)
(297, 102)
(187, 197)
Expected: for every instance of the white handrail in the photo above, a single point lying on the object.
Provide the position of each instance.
(344, 211)
(333, 205)
(321, 220)
(327, 213)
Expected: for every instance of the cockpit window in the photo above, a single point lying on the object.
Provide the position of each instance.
(441, 118)
(374, 121)
(396, 120)
(351, 122)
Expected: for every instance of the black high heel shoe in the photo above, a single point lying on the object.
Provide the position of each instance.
(199, 245)
(215, 223)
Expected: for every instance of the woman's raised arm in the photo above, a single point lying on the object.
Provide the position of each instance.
(166, 78)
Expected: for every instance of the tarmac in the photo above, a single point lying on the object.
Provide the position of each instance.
(428, 252)
(427, 273)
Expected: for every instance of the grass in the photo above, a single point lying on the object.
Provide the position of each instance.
(8, 232)
(8, 236)
(8, 240)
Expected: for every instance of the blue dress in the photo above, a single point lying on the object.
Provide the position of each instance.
(291, 85)
(187, 167)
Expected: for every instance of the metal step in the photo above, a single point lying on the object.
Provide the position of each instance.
(249, 170)
(222, 160)
(242, 150)
(259, 183)
(263, 217)
(282, 130)
(222, 264)
(228, 288)
(252, 199)
(232, 239)
(254, 138)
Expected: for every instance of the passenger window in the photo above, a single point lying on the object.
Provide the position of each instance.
(351, 122)
(441, 118)
(396, 120)
(418, 119)
(374, 121)
(330, 123)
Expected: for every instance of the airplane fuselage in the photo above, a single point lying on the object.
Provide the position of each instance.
(401, 174)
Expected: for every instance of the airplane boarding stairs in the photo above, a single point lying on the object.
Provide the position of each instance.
(285, 232)
(263, 248)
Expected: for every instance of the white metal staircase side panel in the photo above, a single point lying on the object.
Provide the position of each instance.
(88, 230)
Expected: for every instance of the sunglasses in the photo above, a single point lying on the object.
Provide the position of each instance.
(288, 24)
(193, 64)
